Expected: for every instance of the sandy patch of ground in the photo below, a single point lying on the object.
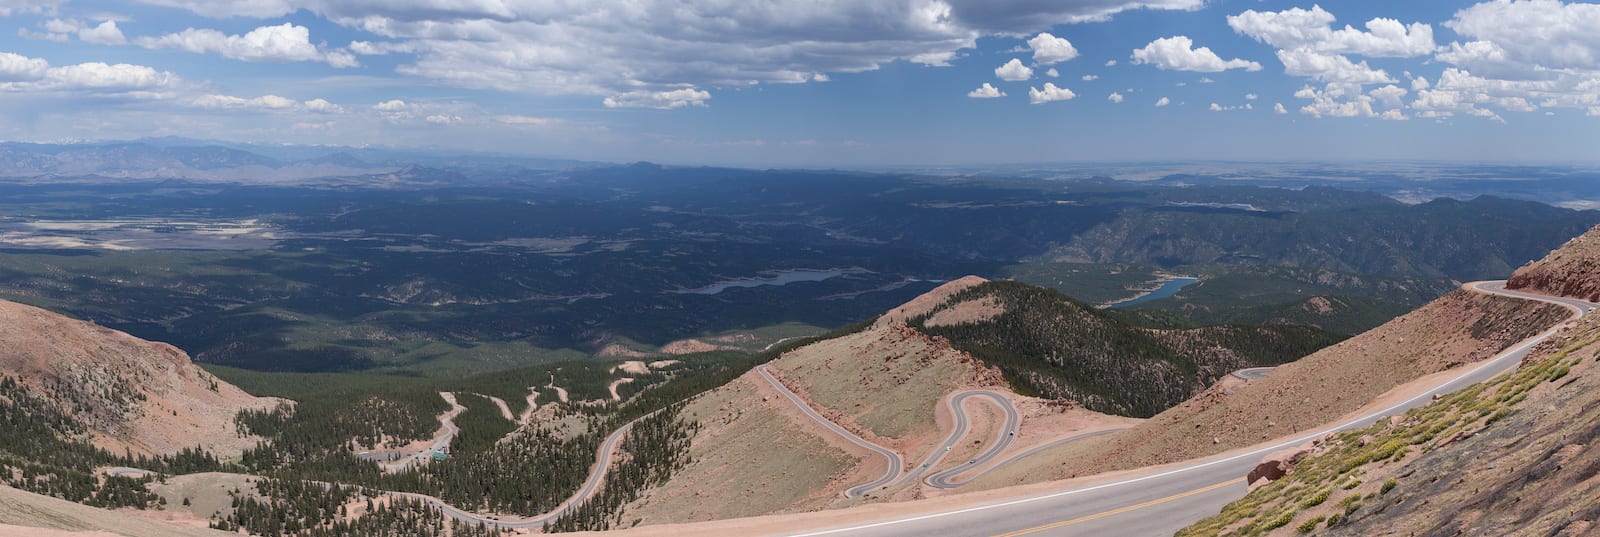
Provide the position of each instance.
(663, 364)
(207, 494)
(1460, 328)
(613, 387)
(970, 311)
(505, 410)
(632, 367)
(561, 393)
(928, 301)
(691, 346)
(24, 514)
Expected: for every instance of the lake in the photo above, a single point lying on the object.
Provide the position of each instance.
(1167, 289)
(785, 277)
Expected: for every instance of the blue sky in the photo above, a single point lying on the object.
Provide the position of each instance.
(819, 83)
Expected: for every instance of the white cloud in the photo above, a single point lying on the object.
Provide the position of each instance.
(1206, 80)
(1091, 78)
(1389, 95)
(611, 47)
(1419, 84)
(1114, 97)
(662, 100)
(265, 102)
(1219, 108)
(1332, 69)
(442, 119)
(106, 33)
(393, 105)
(1311, 30)
(1050, 93)
(1163, 102)
(986, 91)
(1177, 53)
(1520, 39)
(1334, 102)
(1049, 49)
(1393, 115)
(1250, 96)
(1013, 71)
(1053, 73)
(1111, 63)
(32, 75)
(1278, 108)
(323, 106)
(527, 121)
(282, 43)
(16, 67)
(29, 7)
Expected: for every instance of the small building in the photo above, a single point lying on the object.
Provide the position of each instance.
(439, 456)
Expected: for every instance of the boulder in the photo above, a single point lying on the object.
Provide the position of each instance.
(1277, 464)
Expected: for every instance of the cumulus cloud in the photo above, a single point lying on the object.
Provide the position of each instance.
(1219, 108)
(1330, 68)
(1052, 73)
(1091, 78)
(286, 42)
(16, 67)
(986, 91)
(323, 106)
(1049, 49)
(1312, 30)
(611, 47)
(62, 30)
(1178, 53)
(1389, 95)
(23, 74)
(1111, 63)
(1050, 93)
(662, 100)
(1163, 102)
(1114, 97)
(1013, 71)
(29, 7)
(1249, 96)
(1278, 108)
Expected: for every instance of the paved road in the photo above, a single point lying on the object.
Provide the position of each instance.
(1003, 439)
(895, 464)
(1252, 373)
(440, 444)
(597, 474)
(947, 479)
(1161, 502)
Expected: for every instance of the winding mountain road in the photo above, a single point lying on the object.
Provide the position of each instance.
(889, 455)
(1159, 502)
(1005, 436)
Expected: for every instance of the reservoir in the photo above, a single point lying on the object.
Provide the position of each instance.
(1167, 289)
(785, 277)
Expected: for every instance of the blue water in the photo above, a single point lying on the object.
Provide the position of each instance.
(780, 278)
(1167, 289)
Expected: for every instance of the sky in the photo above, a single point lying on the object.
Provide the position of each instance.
(819, 83)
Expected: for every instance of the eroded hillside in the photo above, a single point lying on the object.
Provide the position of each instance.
(1572, 270)
(130, 394)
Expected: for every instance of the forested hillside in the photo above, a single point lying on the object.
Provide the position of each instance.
(1053, 346)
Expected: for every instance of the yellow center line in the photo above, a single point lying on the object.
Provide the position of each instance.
(1121, 510)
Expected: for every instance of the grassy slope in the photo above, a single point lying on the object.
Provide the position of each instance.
(35, 511)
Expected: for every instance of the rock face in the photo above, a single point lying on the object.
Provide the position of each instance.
(1572, 270)
(132, 394)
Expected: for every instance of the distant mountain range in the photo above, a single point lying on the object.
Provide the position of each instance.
(198, 160)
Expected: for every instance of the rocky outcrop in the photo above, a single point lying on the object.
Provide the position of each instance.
(1572, 270)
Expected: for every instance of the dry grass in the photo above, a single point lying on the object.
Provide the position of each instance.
(749, 458)
(24, 513)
